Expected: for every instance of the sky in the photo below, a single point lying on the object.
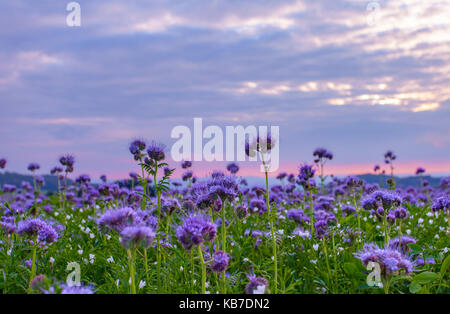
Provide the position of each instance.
(329, 73)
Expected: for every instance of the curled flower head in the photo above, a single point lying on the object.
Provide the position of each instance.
(137, 236)
(2, 163)
(33, 227)
(306, 173)
(33, 167)
(195, 230)
(233, 168)
(155, 151)
(257, 285)
(391, 261)
(67, 161)
(403, 246)
(186, 164)
(322, 154)
(441, 204)
(187, 175)
(117, 219)
(220, 261)
(389, 156)
(137, 146)
(260, 144)
(420, 170)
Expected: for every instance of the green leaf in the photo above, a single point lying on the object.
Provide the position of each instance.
(414, 287)
(426, 277)
(445, 266)
(351, 269)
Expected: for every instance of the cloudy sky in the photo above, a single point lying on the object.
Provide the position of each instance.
(329, 73)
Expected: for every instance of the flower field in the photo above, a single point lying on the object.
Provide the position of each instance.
(301, 233)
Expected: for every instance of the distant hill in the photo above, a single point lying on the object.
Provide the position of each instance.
(413, 181)
(51, 183)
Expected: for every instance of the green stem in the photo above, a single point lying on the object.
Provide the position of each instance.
(131, 255)
(158, 256)
(325, 251)
(33, 265)
(202, 261)
(272, 231)
(224, 243)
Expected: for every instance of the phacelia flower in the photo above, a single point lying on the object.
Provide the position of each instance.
(186, 164)
(33, 167)
(257, 285)
(391, 261)
(2, 163)
(195, 230)
(403, 247)
(137, 236)
(233, 168)
(441, 204)
(155, 151)
(219, 261)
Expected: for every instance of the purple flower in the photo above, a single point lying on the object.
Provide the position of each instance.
(420, 170)
(321, 154)
(136, 147)
(223, 186)
(186, 164)
(257, 285)
(77, 290)
(391, 261)
(195, 230)
(33, 167)
(187, 175)
(441, 204)
(155, 151)
(117, 220)
(137, 236)
(298, 216)
(281, 176)
(2, 163)
(219, 261)
(56, 170)
(32, 227)
(233, 168)
(403, 247)
(305, 174)
(29, 263)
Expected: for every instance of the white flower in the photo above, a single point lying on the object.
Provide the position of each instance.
(315, 247)
(142, 284)
(91, 258)
(420, 220)
(245, 259)
(430, 221)
(445, 250)
(314, 261)
(92, 236)
(436, 236)
(80, 252)
(110, 259)
(9, 252)
(408, 232)
(51, 260)
(108, 237)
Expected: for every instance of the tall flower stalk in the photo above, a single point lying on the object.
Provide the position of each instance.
(263, 146)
